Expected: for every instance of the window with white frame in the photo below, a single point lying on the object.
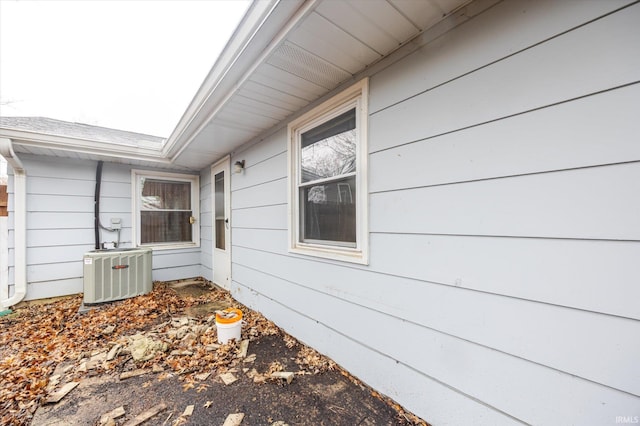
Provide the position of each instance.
(328, 177)
(166, 209)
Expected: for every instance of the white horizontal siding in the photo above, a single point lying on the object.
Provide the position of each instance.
(504, 87)
(171, 265)
(55, 271)
(391, 377)
(266, 194)
(587, 275)
(269, 217)
(42, 290)
(270, 169)
(508, 28)
(60, 224)
(503, 172)
(542, 205)
(474, 370)
(476, 317)
(588, 132)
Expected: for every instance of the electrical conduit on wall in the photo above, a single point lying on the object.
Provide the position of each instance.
(20, 224)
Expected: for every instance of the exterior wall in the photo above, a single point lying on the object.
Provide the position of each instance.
(206, 225)
(504, 225)
(60, 209)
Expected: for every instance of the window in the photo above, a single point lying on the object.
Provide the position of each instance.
(328, 196)
(166, 208)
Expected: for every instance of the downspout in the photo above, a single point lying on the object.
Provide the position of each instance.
(20, 222)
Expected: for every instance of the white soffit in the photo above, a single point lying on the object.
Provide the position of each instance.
(331, 42)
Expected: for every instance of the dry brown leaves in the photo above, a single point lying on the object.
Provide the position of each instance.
(36, 338)
(313, 361)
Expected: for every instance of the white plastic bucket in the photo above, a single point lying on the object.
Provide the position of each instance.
(229, 328)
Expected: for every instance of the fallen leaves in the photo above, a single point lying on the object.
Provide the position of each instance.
(38, 337)
(126, 337)
(313, 361)
(46, 349)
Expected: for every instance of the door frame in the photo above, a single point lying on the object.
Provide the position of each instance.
(222, 165)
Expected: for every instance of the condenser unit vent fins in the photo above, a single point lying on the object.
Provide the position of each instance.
(116, 274)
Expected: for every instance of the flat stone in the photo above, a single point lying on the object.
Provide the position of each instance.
(286, 375)
(100, 356)
(144, 348)
(113, 352)
(228, 378)
(202, 376)
(233, 419)
(93, 364)
(62, 392)
(111, 415)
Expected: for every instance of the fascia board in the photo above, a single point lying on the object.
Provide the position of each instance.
(250, 23)
(232, 70)
(84, 146)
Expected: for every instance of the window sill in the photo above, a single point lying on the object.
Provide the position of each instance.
(170, 246)
(332, 253)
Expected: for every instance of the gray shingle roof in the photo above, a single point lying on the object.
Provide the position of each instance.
(50, 126)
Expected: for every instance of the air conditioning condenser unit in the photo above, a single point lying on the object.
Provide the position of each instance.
(116, 274)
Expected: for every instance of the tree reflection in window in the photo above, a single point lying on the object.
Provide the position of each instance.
(327, 174)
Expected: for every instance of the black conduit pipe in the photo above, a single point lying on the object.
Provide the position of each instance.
(96, 201)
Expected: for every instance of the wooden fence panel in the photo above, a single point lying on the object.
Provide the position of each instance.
(3, 200)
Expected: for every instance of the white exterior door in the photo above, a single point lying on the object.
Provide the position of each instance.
(221, 223)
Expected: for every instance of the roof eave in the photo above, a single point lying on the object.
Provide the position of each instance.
(84, 146)
(273, 20)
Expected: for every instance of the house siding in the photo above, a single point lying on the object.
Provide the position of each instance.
(206, 225)
(60, 210)
(503, 182)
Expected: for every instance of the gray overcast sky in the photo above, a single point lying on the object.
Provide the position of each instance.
(130, 65)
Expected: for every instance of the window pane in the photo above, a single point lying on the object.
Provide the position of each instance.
(220, 219)
(328, 212)
(165, 226)
(160, 194)
(329, 149)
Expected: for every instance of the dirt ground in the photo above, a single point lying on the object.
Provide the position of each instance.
(186, 370)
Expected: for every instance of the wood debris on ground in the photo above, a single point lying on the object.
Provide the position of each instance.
(146, 415)
(286, 375)
(141, 335)
(62, 392)
(228, 378)
(234, 419)
(112, 415)
(148, 327)
(188, 410)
